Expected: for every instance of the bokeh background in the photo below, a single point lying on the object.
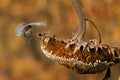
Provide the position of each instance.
(20, 61)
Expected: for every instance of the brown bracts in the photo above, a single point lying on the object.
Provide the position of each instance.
(89, 58)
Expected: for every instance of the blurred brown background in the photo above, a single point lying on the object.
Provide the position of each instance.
(19, 61)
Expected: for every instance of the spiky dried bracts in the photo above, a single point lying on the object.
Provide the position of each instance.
(88, 58)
